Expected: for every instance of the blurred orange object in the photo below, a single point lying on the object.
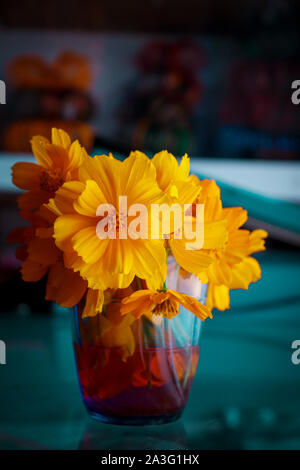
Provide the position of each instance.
(69, 71)
(17, 136)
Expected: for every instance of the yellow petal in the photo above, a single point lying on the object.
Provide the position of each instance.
(193, 261)
(215, 234)
(218, 297)
(184, 167)
(187, 192)
(90, 199)
(193, 305)
(106, 172)
(59, 158)
(88, 246)
(60, 138)
(166, 168)
(119, 257)
(93, 304)
(238, 245)
(257, 242)
(66, 226)
(135, 168)
(235, 216)
(77, 154)
(244, 273)
(65, 197)
(220, 272)
(149, 256)
(157, 280)
(39, 146)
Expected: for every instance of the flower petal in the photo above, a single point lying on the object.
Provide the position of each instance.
(64, 286)
(39, 148)
(218, 297)
(26, 175)
(61, 138)
(65, 197)
(77, 154)
(193, 261)
(193, 305)
(88, 246)
(43, 251)
(32, 199)
(66, 226)
(235, 216)
(90, 199)
(93, 304)
(32, 271)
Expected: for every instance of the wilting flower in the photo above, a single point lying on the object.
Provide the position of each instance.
(58, 161)
(109, 262)
(162, 303)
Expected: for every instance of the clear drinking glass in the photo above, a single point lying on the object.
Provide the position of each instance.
(139, 373)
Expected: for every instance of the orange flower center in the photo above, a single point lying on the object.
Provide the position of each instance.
(51, 181)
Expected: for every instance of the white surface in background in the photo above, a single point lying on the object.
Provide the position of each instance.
(280, 180)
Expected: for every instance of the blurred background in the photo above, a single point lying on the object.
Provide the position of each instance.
(210, 78)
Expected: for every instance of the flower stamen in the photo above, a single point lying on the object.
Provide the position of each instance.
(50, 181)
(167, 308)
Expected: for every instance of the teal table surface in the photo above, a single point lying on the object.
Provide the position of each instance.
(245, 394)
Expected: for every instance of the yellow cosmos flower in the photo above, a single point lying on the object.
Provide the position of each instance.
(106, 262)
(175, 180)
(241, 243)
(58, 162)
(163, 303)
(232, 268)
(172, 177)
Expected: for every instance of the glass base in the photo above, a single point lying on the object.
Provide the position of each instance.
(134, 420)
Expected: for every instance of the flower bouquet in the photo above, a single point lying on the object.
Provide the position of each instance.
(143, 251)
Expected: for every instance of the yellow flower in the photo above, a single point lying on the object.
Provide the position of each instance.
(175, 180)
(162, 303)
(232, 267)
(58, 162)
(241, 243)
(109, 263)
